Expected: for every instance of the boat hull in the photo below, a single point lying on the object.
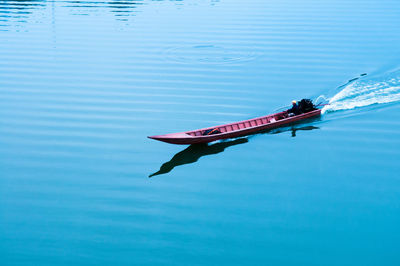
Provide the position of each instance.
(186, 138)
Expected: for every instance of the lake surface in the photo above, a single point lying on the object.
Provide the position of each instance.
(83, 83)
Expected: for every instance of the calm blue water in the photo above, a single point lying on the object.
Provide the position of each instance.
(82, 83)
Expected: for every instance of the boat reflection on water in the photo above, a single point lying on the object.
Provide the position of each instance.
(293, 130)
(194, 152)
(305, 125)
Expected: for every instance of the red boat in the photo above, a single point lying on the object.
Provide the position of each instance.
(235, 130)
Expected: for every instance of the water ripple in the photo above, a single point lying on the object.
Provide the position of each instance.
(207, 54)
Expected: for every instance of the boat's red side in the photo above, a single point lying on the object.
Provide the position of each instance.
(236, 129)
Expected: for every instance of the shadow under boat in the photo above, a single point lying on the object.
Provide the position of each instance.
(195, 151)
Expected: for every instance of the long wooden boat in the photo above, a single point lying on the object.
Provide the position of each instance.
(234, 130)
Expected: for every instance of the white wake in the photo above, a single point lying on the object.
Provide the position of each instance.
(365, 92)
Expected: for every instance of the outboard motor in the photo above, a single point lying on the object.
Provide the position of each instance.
(306, 105)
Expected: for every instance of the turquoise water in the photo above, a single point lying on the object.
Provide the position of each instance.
(83, 83)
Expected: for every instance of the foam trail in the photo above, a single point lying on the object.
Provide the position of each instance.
(365, 92)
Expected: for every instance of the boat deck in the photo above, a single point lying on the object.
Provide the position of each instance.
(260, 121)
